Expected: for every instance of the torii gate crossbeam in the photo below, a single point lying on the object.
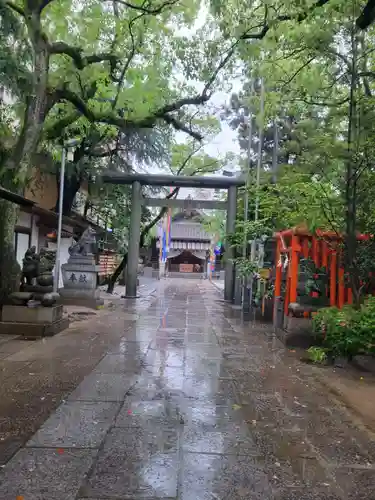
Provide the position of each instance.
(137, 180)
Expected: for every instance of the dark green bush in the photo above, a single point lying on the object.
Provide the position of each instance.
(347, 331)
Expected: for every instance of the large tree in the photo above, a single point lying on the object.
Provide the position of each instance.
(100, 71)
(316, 61)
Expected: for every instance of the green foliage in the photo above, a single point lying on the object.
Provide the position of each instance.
(347, 331)
(214, 223)
(317, 355)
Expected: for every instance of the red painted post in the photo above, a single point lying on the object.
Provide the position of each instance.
(287, 295)
(324, 248)
(278, 271)
(294, 268)
(315, 251)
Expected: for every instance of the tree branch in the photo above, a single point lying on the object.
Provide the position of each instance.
(111, 118)
(333, 104)
(181, 127)
(158, 217)
(367, 16)
(366, 74)
(266, 26)
(187, 159)
(146, 10)
(301, 68)
(44, 4)
(54, 132)
(79, 60)
(15, 7)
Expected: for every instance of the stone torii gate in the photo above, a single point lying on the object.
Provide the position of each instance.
(231, 184)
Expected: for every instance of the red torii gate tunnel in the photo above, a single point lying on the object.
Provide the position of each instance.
(324, 248)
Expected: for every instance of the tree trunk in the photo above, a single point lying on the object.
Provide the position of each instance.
(72, 184)
(351, 179)
(115, 276)
(15, 170)
(10, 271)
(120, 268)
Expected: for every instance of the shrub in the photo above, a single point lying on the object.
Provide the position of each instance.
(317, 354)
(347, 331)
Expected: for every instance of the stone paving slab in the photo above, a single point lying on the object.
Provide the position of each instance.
(121, 363)
(135, 479)
(148, 414)
(103, 387)
(235, 441)
(44, 474)
(76, 425)
(188, 402)
(224, 478)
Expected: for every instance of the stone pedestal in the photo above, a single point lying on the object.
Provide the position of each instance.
(80, 276)
(161, 270)
(33, 323)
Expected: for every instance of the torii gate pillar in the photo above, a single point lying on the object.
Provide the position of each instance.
(134, 236)
(229, 255)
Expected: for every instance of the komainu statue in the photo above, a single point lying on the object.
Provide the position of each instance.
(86, 245)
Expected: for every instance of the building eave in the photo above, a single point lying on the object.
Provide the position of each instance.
(18, 199)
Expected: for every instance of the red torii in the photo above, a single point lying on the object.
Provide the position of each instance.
(323, 247)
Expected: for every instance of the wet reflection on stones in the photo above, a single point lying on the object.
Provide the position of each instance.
(192, 403)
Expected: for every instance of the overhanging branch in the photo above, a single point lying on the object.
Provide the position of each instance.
(15, 7)
(79, 60)
(266, 26)
(141, 8)
(111, 118)
(181, 127)
(44, 4)
(367, 16)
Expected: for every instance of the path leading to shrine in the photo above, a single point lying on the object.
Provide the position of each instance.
(179, 400)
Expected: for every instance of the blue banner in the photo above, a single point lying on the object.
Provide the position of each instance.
(164, 252)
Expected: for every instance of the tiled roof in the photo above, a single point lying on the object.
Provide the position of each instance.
(189, 231)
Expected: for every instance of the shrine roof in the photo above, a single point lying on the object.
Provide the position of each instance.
(189, 230)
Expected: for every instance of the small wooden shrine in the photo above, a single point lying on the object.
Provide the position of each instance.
(309, 274)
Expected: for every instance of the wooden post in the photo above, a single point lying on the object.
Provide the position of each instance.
(333, 279)
(315, 251)
(305, 247)
(350, 296)
(278, 279)
(341, 295)
(278, 270)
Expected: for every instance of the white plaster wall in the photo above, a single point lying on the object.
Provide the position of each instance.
(35, 232)
(24, 219)
(64, 254)
(22, 247)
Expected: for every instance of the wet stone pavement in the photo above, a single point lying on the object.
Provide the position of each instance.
(192, 404)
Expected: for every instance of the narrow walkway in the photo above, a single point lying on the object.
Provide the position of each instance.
(189, 404)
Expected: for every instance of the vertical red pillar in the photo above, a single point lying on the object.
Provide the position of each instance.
(324, 247)
(315, 251)
(278, 270)
(287, 294)
(350, 296)
(333, 279)
(341, 297)
(278, 278)
(294, 268)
